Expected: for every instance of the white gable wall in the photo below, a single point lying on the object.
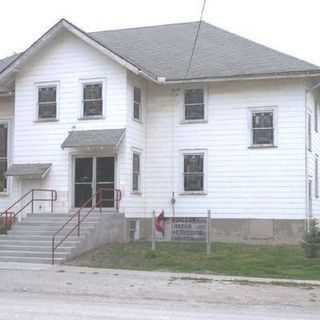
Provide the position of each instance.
(68, 61)
(241, 183)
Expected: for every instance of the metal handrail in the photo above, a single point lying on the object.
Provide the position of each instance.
(13, 214)
(98, 204)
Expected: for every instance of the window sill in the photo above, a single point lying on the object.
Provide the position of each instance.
(4, 194)
(193, 193)
(193, 121)
(92, 118)
(136, 193)
(262, 147)
(137, 120)
(46, 120)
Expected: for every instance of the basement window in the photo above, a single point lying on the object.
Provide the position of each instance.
(47, 102)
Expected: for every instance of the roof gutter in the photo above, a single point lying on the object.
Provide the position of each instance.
(241, 78)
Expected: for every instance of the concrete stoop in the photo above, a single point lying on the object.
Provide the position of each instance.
(31, 239)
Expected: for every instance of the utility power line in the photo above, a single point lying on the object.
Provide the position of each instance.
(196, 38)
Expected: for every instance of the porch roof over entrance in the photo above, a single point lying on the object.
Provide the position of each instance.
(94, 138)
(28, 170)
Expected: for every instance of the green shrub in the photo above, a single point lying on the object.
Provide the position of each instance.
(311, 240)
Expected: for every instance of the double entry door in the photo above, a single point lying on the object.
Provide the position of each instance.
(92, 174)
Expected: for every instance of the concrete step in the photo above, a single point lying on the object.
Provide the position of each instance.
(35, 243)
(34, 248)
(48, 231)
(30, 259)
(34, 237)
(32, 254)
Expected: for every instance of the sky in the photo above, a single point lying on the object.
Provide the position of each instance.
(290, 26)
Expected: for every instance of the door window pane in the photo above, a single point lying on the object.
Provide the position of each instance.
(84, 170)
(193, 172)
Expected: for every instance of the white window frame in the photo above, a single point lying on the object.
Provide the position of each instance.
(138, 152)
(8, 123)
(140, 104)
(252, 110)
(45, 84)
(184, 152)
(84, 82)
(205, 101)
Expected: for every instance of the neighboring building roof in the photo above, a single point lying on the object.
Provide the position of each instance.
(29, 170)
(93, 138)
(164, 52)
(6, 61)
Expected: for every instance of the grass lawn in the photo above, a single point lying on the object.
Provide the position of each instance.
(228, 259)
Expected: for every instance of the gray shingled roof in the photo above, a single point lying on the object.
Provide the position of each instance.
(28, 170)
(164, 51)
(93, 138)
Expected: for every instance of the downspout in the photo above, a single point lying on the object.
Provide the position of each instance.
(307, 224)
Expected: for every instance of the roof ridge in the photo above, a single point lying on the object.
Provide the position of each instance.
(144, 27)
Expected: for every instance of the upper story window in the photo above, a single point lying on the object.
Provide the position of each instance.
(262, 128)
(136, 172)
(47, 102)
(3, 156)
(92, 100)
(194, 108)
(193, 172)
(137, 103)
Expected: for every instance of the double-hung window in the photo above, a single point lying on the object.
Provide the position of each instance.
(136, 172)
(47, 102)
(137, 103)
(92, 100)
(193, 172)
(3, 156)
(194, 108)
(262, 128)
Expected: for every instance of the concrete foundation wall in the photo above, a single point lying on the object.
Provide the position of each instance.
(110, 229)
(251, 231)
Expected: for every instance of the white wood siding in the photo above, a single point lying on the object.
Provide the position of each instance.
(241, 183)
(68, 61)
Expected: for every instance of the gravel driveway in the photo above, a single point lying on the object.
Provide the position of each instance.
(61, 292)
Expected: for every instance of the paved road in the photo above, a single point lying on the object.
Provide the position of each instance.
(80, 293)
